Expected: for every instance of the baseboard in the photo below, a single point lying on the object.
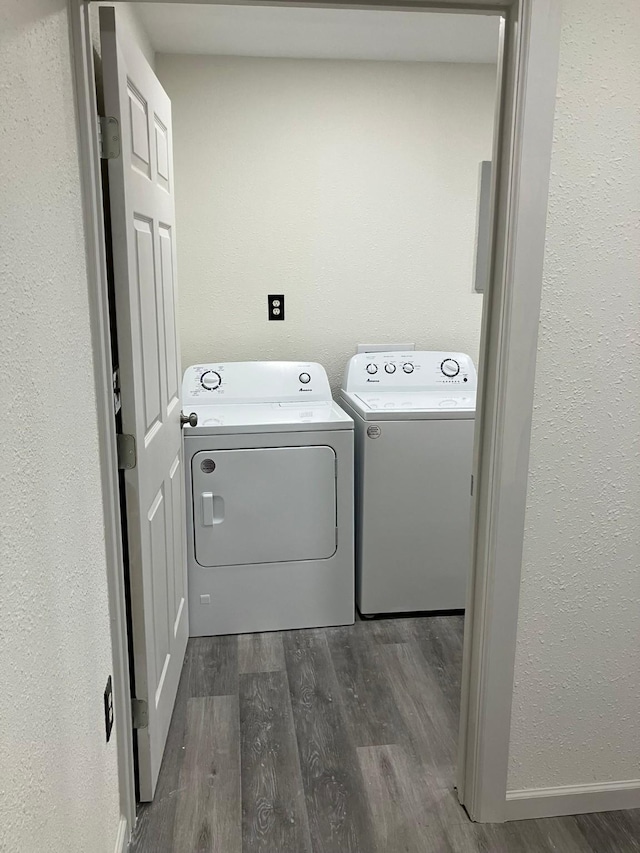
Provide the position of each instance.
(122, 839)
(572, 799)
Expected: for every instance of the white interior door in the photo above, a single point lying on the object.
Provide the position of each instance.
(142, 219)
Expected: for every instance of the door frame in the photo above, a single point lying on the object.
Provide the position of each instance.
(523, 141)
(96, 261)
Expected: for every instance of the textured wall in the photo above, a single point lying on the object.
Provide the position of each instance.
(58, 777)
(351, 187)
(577, 690)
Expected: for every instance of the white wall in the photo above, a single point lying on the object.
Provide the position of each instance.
(351, 187)
(58, 777)
(577, 690)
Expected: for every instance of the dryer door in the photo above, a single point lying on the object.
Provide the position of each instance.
(264, 505)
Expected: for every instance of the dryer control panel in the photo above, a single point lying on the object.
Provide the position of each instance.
(254, 382)
(411, 371)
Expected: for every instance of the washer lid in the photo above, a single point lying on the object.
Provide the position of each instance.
(267, 417)
(411, 405)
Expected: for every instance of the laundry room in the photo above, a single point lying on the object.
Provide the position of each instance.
(299, 210)
(330, 157)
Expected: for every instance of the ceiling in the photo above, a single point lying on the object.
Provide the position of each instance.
(314, 33)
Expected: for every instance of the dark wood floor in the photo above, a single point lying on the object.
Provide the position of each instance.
(340, 740)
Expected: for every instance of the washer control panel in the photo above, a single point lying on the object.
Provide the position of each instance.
(254, 382)
(411, 371)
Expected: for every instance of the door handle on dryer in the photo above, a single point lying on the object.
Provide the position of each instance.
(212, 509)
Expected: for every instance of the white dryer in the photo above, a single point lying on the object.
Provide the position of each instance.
(414, 419)
(269, 479)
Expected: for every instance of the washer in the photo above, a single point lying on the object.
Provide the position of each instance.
(269, 479)
(414, 419)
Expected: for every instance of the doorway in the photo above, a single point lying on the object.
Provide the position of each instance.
(494, 295)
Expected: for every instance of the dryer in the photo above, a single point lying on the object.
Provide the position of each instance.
(414, 420)
(269, 480)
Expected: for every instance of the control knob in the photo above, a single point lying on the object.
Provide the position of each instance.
(450, 367)
(372, 368)
(408, 367)
(305, 378)
(390, 368)
(210, 380)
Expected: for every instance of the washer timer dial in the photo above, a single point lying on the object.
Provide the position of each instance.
(210, 380)
(450, 367)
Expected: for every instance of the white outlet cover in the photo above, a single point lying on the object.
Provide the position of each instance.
(385, 348)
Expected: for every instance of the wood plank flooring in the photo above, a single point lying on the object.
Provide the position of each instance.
(336, 740)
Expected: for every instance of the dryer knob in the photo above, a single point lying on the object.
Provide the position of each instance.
(372, 368)
(450, 367)
(305, 378)
(210, 380)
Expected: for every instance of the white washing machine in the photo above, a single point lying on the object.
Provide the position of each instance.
(414, 419)
(269, 470)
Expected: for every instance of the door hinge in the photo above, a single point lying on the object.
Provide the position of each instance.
(126, 451)
(108, 137)
(140, 713)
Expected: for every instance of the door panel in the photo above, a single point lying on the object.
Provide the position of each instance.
(162, 154)
(138, 114)
(179, 592)
(143, 234)
(264, 505)
(145, 286)
(168, 289)
(158, 541)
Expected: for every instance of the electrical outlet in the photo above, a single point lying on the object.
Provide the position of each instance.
(275, 304)
(108, 708)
